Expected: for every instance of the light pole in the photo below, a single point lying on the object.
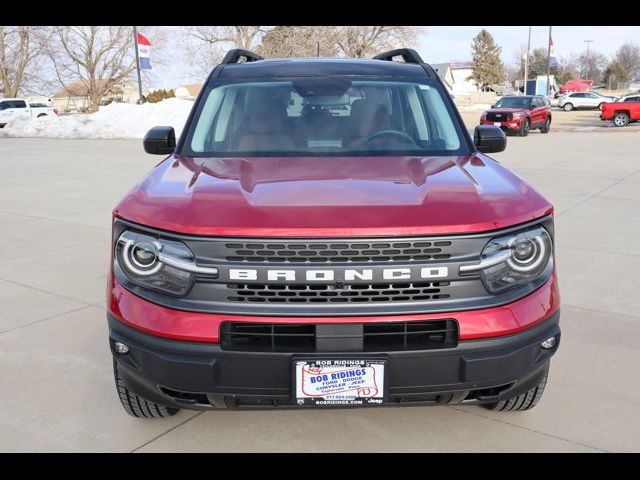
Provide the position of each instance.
(587, 68)
(135, 46)
(548, 62)
(526, 63)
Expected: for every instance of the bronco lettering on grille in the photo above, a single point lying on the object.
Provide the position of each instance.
(326, 275)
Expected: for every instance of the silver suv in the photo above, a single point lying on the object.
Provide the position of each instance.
(574, 100)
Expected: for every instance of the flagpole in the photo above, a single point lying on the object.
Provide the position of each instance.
(548, 62)
(135, 46)
(526, 63)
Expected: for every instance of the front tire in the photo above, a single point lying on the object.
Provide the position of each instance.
(137, 406)
(547, 126)
(524, 401)
(568, 107)
(524, 130)
(621, 119)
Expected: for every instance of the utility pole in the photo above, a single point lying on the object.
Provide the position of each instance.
(318, 50)
(549, 62)
(526, 63)
(135, 46)
(587, 67)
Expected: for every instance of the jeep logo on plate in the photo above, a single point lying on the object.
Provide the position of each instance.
(338, 275)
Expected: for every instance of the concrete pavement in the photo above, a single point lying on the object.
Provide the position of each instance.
(56, 384)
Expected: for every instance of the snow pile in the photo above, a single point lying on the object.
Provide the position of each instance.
(116, 120)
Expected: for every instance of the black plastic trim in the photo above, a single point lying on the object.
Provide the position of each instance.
(234, 55)
(409, 55)
(477, 371)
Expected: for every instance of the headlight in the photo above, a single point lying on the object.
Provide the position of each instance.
(514, 259)
(518, 115)
(164, 265)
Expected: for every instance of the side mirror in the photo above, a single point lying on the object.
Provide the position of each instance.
(489, 139)
(160, 141)
(493, 106)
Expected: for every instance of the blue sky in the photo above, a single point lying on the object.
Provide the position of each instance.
(453, 43)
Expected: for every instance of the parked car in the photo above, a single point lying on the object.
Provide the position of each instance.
(12, 108)
(284, 257)
(629, 97)
(622, 113)
(576, 85)
(519, 114)
(592, 100)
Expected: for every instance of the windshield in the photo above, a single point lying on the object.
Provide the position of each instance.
(323, 116)
(513, 102)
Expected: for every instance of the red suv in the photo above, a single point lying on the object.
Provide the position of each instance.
(519, 114)
(326, 233)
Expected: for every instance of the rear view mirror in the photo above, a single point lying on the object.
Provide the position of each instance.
(160, 141)
(489, 139)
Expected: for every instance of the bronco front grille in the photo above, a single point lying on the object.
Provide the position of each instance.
(326, 276)
(314, 252)
(358, 293)
(376, 336)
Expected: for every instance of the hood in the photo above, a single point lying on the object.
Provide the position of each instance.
(331, 196)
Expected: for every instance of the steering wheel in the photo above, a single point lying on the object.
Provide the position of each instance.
(382, 133)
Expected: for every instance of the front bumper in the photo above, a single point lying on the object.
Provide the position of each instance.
(201, 376)
(507, 126)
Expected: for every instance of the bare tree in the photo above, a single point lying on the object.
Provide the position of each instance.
(365, 41)
(511, 72)
(101, 57)
(240, 36)
(628, 58)
(206, 45)
(568, 68)
(299, 41)
(593, 65)
(20, 46)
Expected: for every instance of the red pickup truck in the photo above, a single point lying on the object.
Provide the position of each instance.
(622, 113)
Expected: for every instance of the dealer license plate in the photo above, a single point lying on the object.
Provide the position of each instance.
(497, 124)
(339, 382)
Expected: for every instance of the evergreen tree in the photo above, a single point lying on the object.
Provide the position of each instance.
(616, 73)
(487, 66)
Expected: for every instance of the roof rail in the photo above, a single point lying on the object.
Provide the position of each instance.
(236, 54)
(409, 55)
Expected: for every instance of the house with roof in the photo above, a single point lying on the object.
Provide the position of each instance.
(444, 72)
(188, 91)
(461, 73)
(456, 77)
(75, 97)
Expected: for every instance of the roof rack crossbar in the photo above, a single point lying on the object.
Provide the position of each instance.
(409, 55)
(233, 56)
